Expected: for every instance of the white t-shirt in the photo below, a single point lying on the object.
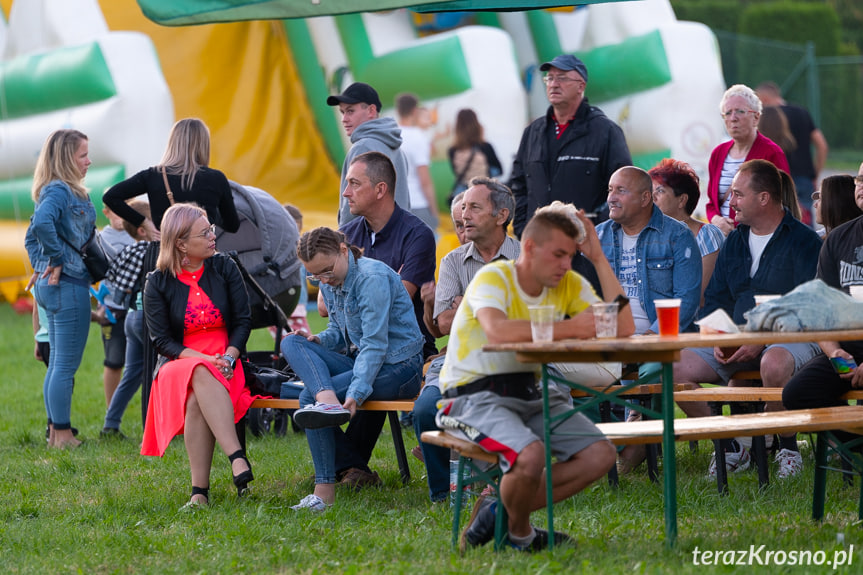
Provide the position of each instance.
(756, 248)
(629, 281)
(417, 148)
(729, 170)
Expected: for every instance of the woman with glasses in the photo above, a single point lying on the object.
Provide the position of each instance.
(371, 349)
(183, 175)
(834, 204)
(197, 312)
(741, 109)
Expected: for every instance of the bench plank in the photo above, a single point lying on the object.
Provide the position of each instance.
(743, 394)
(395, 405)
(463, 447)
(645, 389)
(725, 426)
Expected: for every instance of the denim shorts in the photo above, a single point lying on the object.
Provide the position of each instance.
(801, 352)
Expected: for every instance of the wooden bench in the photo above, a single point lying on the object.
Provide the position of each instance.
(390, 407)
(743, 394)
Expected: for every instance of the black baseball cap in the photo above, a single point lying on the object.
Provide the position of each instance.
(357, 93)
(566, 62)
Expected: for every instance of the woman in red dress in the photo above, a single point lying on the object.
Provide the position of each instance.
(197, 312)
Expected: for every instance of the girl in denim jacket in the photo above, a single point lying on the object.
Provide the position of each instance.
(61, 224)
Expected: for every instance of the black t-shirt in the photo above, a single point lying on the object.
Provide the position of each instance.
(801, 125)
(840, 265)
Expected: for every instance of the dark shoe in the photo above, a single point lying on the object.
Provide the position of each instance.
(111, 433)
(243, 479)
(356, 479)
(480, 526)
(205, 491)
(540, 541)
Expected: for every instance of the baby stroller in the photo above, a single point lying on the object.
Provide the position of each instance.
(265, 250)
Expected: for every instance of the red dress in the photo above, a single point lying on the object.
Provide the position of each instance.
(204, 332)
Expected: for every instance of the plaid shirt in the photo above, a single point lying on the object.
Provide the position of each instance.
(125, 273)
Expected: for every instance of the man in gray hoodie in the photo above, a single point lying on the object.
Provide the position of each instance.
(360, 107)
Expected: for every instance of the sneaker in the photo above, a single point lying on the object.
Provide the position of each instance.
(321, 415)
(734, 461)
(480, 526)
(312, 503)
(790, 463)
(111, 433)
(356, 479)
(540, 541)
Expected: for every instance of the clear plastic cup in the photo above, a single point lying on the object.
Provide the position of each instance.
(605, 319)
(668, 314)
(542, 323)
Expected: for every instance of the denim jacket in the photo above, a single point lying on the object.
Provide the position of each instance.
(668, 260)
(372, 311)
(61, 218)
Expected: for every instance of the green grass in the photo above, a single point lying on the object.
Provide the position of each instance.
(103, 508)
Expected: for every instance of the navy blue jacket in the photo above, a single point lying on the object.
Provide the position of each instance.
(789, 259)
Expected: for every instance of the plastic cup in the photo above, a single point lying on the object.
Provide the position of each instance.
(605, 319)
(760, 299)
(542, 323)
(668, 313)
(856, 292)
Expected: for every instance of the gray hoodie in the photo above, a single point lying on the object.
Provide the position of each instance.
(379, 135)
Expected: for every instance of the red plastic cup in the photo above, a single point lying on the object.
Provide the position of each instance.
(668, 313)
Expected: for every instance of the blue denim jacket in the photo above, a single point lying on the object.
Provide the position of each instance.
(371, 310)
(60, 215)
(789, 259)
(668, 260)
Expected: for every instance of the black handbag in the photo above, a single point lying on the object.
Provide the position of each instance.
(95, 256)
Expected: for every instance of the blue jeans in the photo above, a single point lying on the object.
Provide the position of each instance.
(67, 306)
(436, 458)
(133, 371)
(321, 369)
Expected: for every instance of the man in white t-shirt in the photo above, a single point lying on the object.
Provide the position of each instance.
(494, 400)
(769, 252)
(417, 148)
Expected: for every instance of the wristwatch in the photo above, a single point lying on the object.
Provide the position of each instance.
(231, 360)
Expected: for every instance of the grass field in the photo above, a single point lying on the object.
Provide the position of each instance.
(103, 508)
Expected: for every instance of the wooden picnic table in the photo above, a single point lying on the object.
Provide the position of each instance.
(650, 348)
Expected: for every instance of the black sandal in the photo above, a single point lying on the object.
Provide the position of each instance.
(205, 491)
(243, 479)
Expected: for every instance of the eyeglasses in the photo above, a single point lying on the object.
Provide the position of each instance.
(816, 196)
(738, 112)
(858, 180)
(321, 276)
(209, 232)
(559, 79)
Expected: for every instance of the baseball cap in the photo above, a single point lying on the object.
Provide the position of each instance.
(566, 62)
(356, 93)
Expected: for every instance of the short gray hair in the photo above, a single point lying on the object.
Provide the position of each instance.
(500, 196)
(744, 92)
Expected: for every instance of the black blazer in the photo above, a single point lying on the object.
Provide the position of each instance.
(165, 299)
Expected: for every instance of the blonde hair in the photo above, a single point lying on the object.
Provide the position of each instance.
(57, 162)
(176, 225)
(188, 150)
(143, 208)
(556, 215)
(323, 241)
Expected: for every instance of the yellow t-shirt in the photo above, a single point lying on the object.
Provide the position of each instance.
(496, 286)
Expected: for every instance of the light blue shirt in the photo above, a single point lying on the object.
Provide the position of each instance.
(668, 264)
(372, 311)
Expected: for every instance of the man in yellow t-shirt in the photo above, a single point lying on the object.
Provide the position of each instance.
(494, 400)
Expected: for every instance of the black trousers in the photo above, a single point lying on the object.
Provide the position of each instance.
(817, 385)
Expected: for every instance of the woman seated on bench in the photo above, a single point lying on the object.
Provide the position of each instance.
(371, 349)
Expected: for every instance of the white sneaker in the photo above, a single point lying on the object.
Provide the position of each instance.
(312, 503)
(790, 463)
(321, 415)
(734, 461)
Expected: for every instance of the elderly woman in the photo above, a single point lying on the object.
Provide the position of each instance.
(62, 223)
(834, 203)
(197, 311)
(741, 110)
(676, 193)
(371, 349)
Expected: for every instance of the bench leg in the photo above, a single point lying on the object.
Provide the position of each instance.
(721, 472)
(820, 482)
(605, 417)
(399, 444)
(759, 452)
